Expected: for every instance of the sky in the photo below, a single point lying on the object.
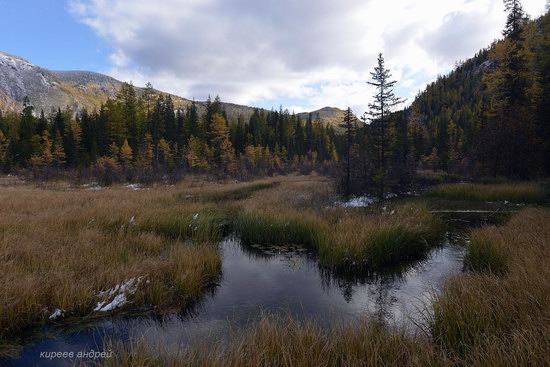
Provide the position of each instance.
(301, 54)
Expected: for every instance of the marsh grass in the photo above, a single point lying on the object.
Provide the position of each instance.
(521, 193)
(373, 240)
(347, 240)
(279, 228)
(286, 342)
(59, 249)
(484, 255)
(197, 223)
(501, 318)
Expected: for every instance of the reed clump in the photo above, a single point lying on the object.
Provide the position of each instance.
(374, 240)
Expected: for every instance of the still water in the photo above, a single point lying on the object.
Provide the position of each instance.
(259, 280)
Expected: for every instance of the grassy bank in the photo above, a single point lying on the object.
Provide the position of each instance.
(521, 193)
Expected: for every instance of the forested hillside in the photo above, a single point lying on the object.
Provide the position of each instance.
(491, 115)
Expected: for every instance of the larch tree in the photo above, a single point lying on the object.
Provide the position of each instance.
(126, 154)
(58, 152)
(224, 154)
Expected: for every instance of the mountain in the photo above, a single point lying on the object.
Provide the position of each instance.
(331, 115)
(49, 90)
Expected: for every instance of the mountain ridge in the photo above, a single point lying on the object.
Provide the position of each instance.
(49, 90)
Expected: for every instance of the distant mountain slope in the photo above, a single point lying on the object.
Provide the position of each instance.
(49, 90)
(330, 115)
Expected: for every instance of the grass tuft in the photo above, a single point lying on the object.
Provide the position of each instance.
(200, 224)
(278, 229)
(484, 255)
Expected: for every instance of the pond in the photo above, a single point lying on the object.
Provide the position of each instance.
(258, 280)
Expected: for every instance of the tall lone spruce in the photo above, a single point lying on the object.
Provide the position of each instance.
(379, 115)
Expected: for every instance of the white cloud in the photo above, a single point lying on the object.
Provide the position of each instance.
(320, 52)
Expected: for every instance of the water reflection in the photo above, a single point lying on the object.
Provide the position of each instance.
(275, 279)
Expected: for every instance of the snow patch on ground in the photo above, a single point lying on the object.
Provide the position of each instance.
(119, 301)
(58, 313)
(134, 187)
(116, 297)
(92, 187)
(357, 202)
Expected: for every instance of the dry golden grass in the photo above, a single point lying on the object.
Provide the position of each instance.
(59, 249)
(288, 343)
(501, 319)
(294, 192)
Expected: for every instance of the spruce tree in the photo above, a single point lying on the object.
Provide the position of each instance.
(350, 124)
(157, 125)
(193, 118)
(26, 132)
(542, 110)
(379, 115)
(131, 121)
